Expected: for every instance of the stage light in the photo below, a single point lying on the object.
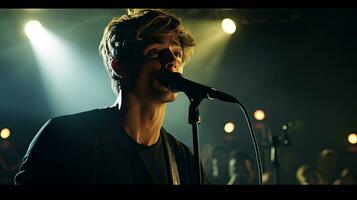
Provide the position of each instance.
(259, 115)
(228, 26)
(352, 138)
(229, 127)
(34, 29)
(5, 133)
(285, 127)
(60, 62)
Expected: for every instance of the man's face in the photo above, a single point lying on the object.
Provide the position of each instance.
(147, 85)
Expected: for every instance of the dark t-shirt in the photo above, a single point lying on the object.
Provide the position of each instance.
(155, 161)
(122, 160)
(92, 148)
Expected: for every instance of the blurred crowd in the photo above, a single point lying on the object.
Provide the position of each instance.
(326, 171)
(226, 166)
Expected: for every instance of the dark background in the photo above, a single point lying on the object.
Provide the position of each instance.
(298, 65)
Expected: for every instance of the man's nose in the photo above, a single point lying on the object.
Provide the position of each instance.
(167, 59)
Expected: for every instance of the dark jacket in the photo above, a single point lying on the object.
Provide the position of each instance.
(75, 149)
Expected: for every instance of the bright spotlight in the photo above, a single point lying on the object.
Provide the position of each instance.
(352, 138)
(229, 127)
(41, 39)
(34, 29)
(5, 133)
(228, 26)
(259, 115)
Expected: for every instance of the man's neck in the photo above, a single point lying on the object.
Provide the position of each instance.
(142, 122)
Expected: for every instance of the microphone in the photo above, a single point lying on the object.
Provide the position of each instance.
(177, 82)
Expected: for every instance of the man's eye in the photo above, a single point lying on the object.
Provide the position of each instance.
(153, 53)
(178, 55)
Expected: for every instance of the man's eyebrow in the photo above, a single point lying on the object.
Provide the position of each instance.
(176, 43)
(160, 41)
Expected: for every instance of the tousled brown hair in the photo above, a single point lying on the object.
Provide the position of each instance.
(122, 33)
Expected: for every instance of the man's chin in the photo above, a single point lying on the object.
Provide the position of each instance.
(170, 97)
(168, 92)
(167, 95)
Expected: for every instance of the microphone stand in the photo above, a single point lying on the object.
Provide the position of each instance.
(194, 119)
(276, 142)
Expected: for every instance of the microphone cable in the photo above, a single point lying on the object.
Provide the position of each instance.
(255, 143)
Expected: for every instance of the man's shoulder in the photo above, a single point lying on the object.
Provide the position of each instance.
(81, 118)
(77, 126)
(67, 131)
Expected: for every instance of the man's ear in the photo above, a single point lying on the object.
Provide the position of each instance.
(118, 69)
